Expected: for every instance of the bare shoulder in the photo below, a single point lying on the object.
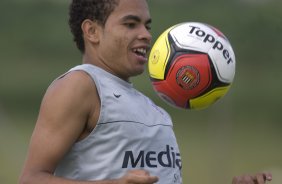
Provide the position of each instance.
(72, 93)
(74, 82)
(72, 96)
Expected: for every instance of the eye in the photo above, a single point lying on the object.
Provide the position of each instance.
(148, 27)
(130, 25)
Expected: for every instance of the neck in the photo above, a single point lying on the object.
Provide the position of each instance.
(93, 59)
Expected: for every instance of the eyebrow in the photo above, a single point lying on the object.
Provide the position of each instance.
(135, 18)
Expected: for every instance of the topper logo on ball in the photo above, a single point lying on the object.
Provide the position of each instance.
(217, 45)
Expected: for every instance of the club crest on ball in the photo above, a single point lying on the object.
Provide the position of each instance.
(187, 77)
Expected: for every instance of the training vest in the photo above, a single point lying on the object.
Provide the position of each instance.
(131, 133)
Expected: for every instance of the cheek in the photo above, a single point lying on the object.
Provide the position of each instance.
(121, 41)
(121, 46)
(116, 45)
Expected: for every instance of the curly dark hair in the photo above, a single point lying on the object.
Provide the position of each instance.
(95, 10)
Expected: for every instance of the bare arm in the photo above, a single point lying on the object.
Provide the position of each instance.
(64, 113)
(259, 178)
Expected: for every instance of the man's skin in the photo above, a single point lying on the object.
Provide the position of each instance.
(259, 178)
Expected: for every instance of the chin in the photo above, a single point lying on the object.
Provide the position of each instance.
(138, 71)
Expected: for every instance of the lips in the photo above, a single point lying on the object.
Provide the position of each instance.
(141, 52)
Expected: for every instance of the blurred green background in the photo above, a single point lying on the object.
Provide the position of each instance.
(241, 133)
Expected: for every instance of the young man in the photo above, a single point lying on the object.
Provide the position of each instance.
(93, 126)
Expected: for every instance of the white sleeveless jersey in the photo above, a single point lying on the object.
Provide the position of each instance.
(131, 133)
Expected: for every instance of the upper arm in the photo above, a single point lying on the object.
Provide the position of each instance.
(63, 114)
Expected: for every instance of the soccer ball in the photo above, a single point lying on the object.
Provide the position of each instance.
(191, 65)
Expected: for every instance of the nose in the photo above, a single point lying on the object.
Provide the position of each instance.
(145, 34)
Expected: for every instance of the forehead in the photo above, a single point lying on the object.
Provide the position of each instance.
(131, 7)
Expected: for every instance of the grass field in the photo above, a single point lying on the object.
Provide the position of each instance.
(239, 134)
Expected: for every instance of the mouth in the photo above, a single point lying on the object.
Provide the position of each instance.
(141, 53)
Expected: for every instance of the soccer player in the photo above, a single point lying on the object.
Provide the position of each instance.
(93, 126)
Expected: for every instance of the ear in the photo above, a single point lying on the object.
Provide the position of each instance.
(91, 30)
